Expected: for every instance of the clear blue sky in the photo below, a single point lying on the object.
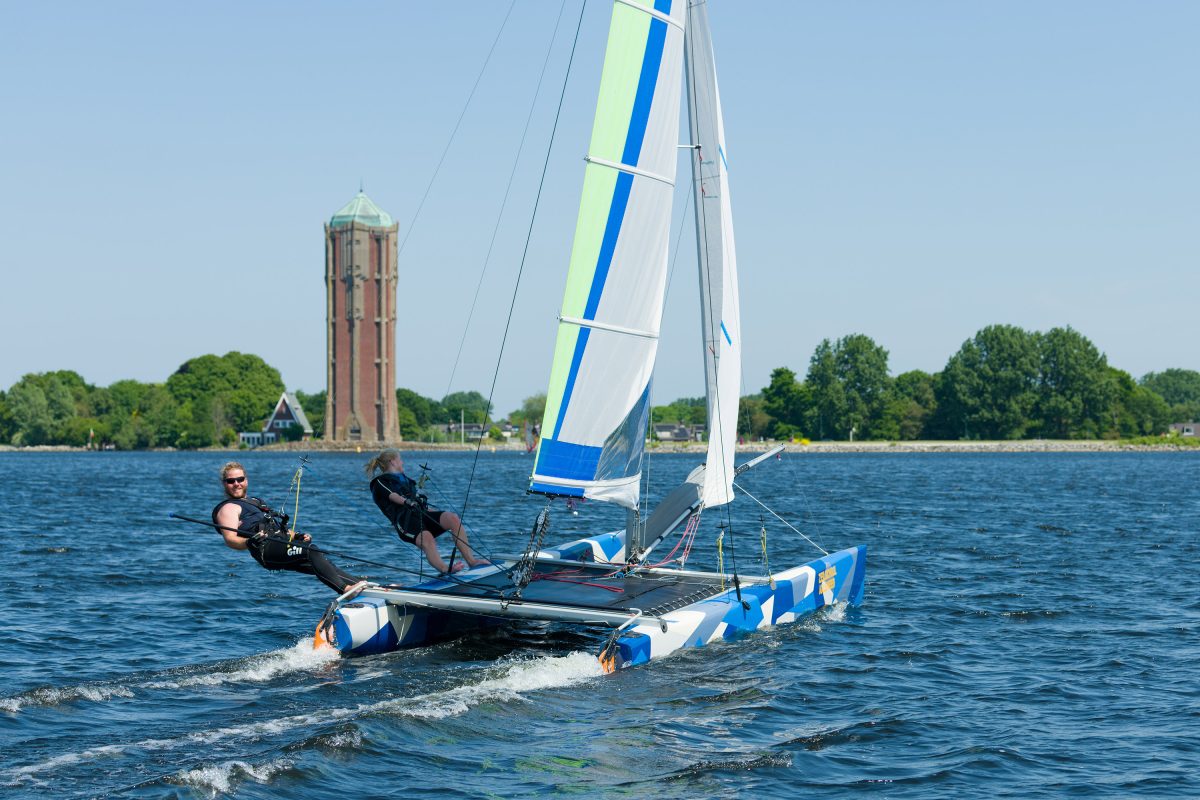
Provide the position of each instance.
(911, 171)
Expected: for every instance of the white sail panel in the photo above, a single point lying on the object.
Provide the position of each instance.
(597, 404)
(721, 326)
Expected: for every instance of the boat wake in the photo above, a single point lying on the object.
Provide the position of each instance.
(506, 681)
(261, 668)
(223, 778)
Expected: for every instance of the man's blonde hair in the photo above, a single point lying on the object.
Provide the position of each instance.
(231, 465)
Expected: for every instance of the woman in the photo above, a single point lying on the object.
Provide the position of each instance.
(415, 521)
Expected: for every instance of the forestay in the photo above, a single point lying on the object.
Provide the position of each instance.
(720, 317)
(598, 400)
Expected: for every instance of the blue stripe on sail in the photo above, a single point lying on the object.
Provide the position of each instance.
(651, 63)
(555, 489)
(726, 332)
(643, 100)
(576, 462)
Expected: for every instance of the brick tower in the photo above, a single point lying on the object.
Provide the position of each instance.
(360, 307)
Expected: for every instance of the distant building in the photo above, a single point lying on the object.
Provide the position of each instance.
(360, 307)
(288, 413)
(1185, 428)
(675, 432)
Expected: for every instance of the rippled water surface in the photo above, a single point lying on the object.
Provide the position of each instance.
(1031, 628)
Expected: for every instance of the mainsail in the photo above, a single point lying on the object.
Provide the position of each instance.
(598, 400)
(720, 318)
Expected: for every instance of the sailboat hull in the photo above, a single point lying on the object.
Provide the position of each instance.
(654, 612)
(835, 579)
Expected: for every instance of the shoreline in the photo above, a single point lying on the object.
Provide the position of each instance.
(899, 447)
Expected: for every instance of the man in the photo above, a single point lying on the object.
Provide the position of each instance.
(415, 521)
(247, 524)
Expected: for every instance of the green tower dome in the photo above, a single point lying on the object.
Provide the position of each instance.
(362, 210)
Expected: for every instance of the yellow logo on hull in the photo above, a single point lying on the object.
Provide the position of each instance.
(827, 578)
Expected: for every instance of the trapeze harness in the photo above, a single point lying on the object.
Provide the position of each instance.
(409, 518)
(267, 539)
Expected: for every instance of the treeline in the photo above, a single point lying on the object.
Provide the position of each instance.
(205, 402)
(1003, 383)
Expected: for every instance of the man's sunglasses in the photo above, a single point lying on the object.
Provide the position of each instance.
(238, 479)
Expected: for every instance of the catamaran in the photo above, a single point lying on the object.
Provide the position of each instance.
(597, 413)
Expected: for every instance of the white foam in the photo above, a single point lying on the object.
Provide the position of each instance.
(507, 681)
(63, 694)
(220, 778)
(835, 612)
(300, 657)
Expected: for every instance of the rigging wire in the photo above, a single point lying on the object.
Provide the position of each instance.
(453, 133)
(504, 202)
(524, 256)
(742, 489)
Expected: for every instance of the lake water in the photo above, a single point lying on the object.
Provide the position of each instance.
(1031, 628)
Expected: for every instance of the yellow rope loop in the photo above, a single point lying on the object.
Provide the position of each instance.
(766, 561)
(296, 513)
(721, 558)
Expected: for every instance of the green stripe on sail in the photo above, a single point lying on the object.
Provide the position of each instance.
(598, 186)
(623, 58)
(619, 81)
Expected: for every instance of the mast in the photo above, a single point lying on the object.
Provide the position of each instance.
(598, 400)
(720, 317)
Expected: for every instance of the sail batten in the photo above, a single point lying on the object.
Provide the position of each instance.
(597, 403)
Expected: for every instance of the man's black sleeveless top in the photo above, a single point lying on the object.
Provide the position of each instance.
(252, 520)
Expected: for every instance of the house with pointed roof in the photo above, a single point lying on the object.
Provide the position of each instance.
(288, 413)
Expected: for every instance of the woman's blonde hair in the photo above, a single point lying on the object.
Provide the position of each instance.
(380, 462)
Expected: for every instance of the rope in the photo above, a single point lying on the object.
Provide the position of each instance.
(524, 256)
(504, 203)
(453, 133)
(766, 560)
(741, 489)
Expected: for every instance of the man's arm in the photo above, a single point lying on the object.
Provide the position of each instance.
(228, 518)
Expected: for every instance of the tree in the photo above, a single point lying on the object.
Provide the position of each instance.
(7, 427)
(30, 413)
(314, 408)
(245, 386)
(989, 387)
(913, 403)
(410, 428)
(862, 370)
(1180, 388)
(1075, 389)
(472, 406)
(849, 388)
(531, 411)
(426, 411)
(827, 400)
(1138, 411)
(786, 402)
(684, 411)
(753, 420)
